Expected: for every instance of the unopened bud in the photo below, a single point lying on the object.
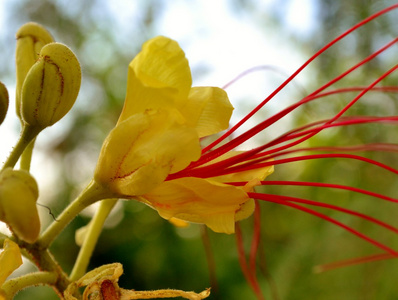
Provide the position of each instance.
(3, 102)
(31, 37)
(51, 87)
(18, 196)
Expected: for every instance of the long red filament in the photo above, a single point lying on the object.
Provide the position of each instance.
(354, 261)
(334, 207)
(256, 237)
(213, 172)
(282, 201)
(240, 123)
(251, 155)
(251, 278)
(237, 141)
(321, 184)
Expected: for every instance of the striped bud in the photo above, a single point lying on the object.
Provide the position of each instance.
(51, 86)
(31, 37)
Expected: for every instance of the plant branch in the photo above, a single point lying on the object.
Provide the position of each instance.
(92, 193)
(92, 235)
(28, 134)
(12, 286)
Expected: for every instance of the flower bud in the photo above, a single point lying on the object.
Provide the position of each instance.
(31, 37)
(3, 102)
(51, 86)
(18, 196)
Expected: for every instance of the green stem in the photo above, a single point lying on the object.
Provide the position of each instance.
(26, 156)
(46, 262)
(28, 133)
(92, 235)
(13, 286)
(92, 193)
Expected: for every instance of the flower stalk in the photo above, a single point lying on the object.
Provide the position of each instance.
(92, 193)
(92, 235)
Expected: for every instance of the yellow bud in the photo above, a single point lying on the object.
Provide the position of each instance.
(18, 196)
(31, 37)
(51, 86)
(3, 102)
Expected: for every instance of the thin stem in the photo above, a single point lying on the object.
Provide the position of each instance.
(14, 285)
(210, 259)
(26, 156)
(28, 133)
(92, 193)
(92, 235)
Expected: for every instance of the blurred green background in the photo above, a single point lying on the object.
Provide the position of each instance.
(106, 35)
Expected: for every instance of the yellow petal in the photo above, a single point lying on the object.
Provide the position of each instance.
(208, 110)
(141, 151)
(178, 222)
(10, 259)
(198, 200)
(158, 77)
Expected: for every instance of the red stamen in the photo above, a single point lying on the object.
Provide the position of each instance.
(252, 156)
(352, 262)
(251, 278)
(256, 237)
(250, 133)
(210, 171)
(235, 127)
(334, 207)
(282, 200)
(320, 184)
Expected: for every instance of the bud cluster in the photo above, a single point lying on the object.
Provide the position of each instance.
(48, 77)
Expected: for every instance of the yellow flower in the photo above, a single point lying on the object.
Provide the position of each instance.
(10, 260)
(158, 134)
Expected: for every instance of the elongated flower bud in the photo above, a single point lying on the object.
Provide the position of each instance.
(31, 37)
(18, 196)
(3, 102)
(51, 86)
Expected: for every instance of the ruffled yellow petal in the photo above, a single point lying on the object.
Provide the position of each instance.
(10, 260)
(141, 151)
(208, 110)
(159, 77)
(198, 200)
